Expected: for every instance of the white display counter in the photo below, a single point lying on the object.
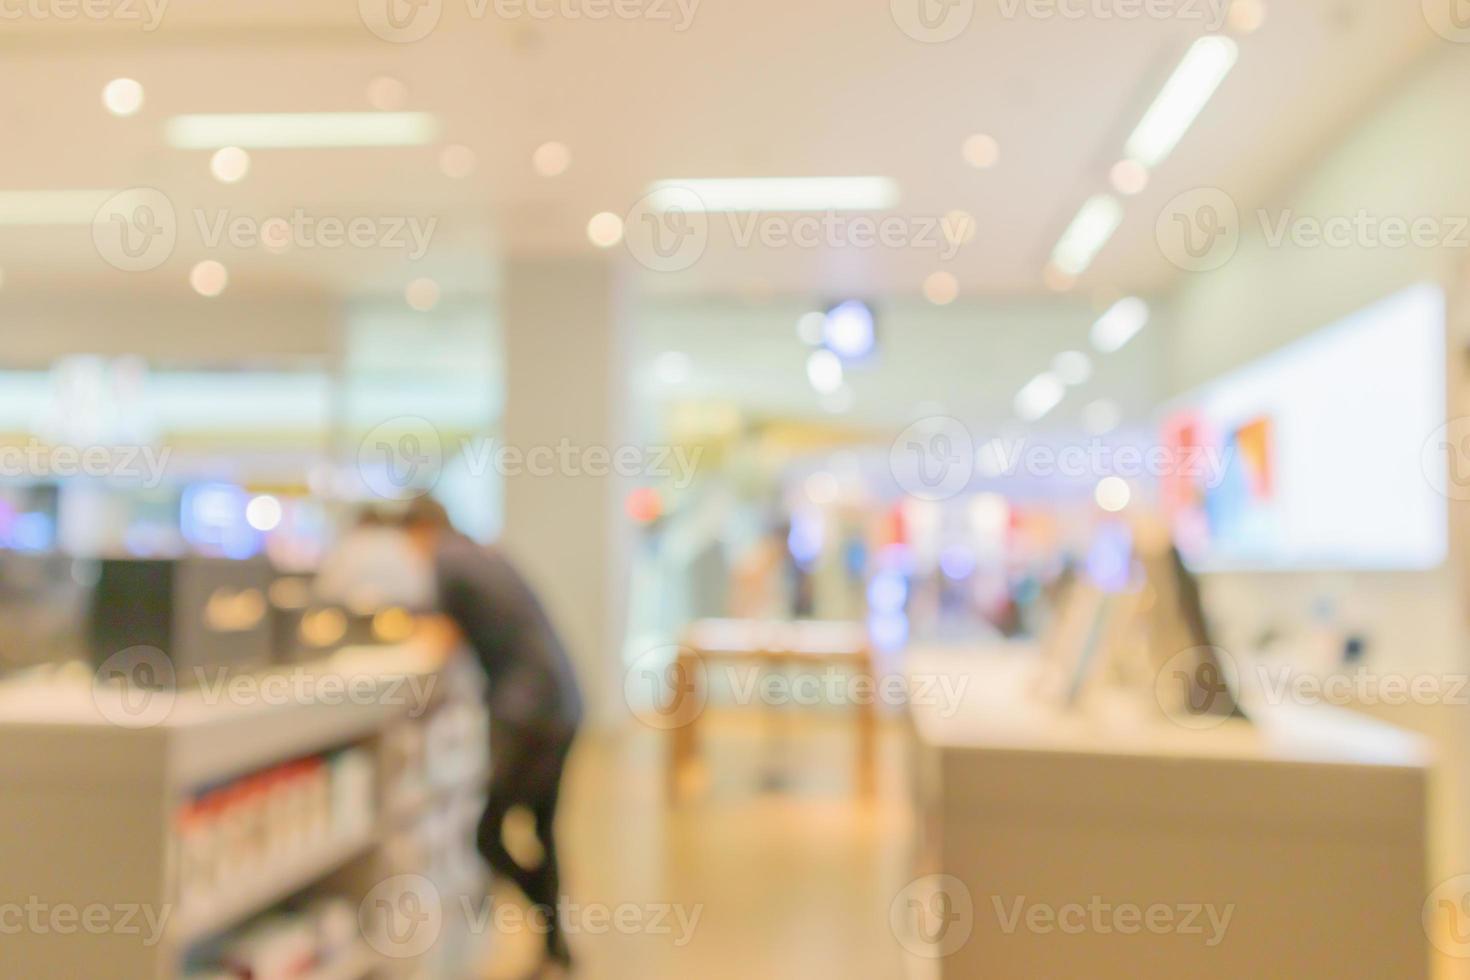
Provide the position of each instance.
(89, 815)
(1113, 842)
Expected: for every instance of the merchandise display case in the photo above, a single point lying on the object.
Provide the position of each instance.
(241, 832)
(1301, 827)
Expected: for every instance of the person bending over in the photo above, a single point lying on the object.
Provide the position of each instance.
(535, 706)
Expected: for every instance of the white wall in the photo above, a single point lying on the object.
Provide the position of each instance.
(1409, 159)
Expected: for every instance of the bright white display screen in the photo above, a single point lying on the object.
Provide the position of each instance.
(1330, 453)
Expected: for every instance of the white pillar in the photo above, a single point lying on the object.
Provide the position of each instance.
(566, 377)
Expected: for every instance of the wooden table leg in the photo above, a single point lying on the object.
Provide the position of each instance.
(685, 708)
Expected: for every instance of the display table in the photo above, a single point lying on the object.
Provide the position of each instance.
(801, 645)
(90, 812)
(1292, 845)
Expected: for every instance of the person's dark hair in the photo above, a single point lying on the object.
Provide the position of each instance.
(426, 513)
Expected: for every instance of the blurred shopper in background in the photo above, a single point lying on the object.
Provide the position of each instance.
(535, 705)
(372, 566)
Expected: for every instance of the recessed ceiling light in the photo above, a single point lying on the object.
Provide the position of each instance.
(1072, 366)
(296, 130)
(457, 161)
(551, 159)
(229, 164)
(1129, 177)
(941, 288)
(1119, 324)
(209, 278)
(746, 194)
(122, 96)
(1202, 69)
(981, 151)
(386, 93)
(605, 229)
(1246, 16)
(1112, 493)
(824, 371)
(422, 294)
(1089, 231)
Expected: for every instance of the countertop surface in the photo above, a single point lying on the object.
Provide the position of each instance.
(987, 698)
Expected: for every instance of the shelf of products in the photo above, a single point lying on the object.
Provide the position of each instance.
(317, 941)
(241, 821)
(258, 839)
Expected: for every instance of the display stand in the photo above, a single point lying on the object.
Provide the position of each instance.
(89, 817)
(1308, 822)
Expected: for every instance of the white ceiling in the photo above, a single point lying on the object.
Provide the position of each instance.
(758, 87)
(753, 88)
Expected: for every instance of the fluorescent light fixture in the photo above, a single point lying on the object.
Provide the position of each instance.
(1089, 231)
(284, 130)
(1041, 394)
(1183, 96)
(779, 193)
(74, 207)
(1118, 325)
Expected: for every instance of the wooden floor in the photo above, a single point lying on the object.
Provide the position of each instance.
(788, 873)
